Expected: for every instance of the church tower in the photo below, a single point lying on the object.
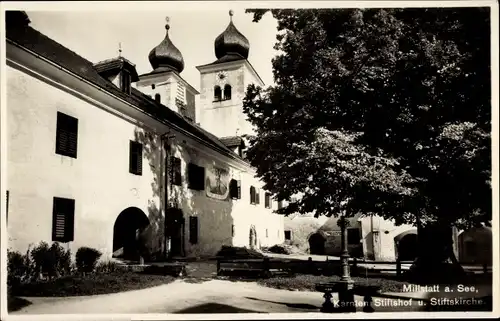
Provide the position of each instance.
(165, 83)
(223, 85)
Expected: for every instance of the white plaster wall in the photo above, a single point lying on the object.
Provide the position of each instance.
(382, 246)
(98, 180)
(216, 217)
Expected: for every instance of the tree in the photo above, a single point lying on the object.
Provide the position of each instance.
(380, 111)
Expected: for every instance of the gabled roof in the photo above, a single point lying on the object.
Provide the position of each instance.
(44, 46)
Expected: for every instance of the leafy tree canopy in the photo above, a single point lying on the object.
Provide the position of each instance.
(382, 111)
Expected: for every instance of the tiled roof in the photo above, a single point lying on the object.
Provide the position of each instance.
(103, 67)
(232, 141)
(42, 45)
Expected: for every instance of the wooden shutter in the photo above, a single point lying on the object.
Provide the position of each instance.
(252, 195)
(239, 188)
(176, 171)
(135, 160)
(233, 189)
(257, 196)
(267, 199)
(193, 229)
(66, 135)
(63, 220)
(196, 177)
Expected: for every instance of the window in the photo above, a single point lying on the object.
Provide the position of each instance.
(63, 219)
(353, 236)
(66, 135)
(257, 196)
(196, 177)
(193, 229)
(288, 235)
(125, 81)
(227, 92)
(217, 93)
(157, 98)
(135, 158)
(267, 200)
(235, 189)
(176, 171)
(252, 195)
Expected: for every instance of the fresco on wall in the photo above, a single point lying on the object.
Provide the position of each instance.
(217, 182)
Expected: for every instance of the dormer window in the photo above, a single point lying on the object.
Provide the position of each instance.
(125, 81)
(217, 93)
(157, 98)
(227, 92)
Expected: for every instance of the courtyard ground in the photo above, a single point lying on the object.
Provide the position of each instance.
(201, 293)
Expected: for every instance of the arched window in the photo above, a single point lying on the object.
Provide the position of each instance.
(217, 93)
(157, 98)
(227, 92)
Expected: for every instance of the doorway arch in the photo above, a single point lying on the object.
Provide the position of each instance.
(407, 246)
(253, 237)
(317, 244)
(127, 230)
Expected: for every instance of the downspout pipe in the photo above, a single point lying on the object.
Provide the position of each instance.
(165, 146)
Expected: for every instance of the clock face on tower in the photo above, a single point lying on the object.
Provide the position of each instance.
(221, 77)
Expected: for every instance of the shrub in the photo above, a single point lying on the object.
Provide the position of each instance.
(231, 252)
(279, 249)
(52, 261)
(106, 267)
(19, 268)
(86, 259)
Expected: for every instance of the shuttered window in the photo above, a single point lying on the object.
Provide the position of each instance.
(66, 135)
(235, 189)
(193, 229)
(267, 200)
(252, 195)
(63, 219)
(257, 196)
(196, 177)
(135, 159)
(176, 171)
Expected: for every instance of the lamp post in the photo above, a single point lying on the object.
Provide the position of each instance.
(346, 295)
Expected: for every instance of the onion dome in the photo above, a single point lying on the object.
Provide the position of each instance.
(166, 56)
(231, 42)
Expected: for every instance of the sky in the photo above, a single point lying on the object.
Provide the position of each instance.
(95, 35)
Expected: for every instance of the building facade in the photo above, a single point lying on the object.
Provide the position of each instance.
(368, 237)
(100, 156)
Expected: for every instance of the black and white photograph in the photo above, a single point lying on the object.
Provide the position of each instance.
(240, 160)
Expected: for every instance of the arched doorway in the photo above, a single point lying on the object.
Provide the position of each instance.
(129, 226)
(317, 244)
(253, 237)
(407, 246)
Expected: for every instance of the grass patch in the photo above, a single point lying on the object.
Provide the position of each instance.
(104, 283)
(305, 282)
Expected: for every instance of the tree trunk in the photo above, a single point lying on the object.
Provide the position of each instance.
(436, 261)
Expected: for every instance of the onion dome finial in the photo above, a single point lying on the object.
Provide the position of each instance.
(166, 56)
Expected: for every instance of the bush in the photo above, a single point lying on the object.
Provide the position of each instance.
(279, 249)
(86, 259)
(53, 261)
(231, 252)
(106, 267)
(19, 268)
